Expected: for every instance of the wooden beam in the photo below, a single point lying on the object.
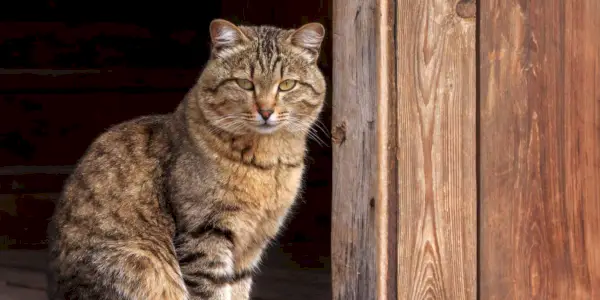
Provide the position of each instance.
(354, 149)
(436, 151)
(540, 153)
(55, 129)
(30, 81)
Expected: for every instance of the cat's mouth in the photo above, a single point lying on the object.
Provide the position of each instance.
(266, 128)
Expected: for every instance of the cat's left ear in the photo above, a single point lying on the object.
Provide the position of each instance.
(309, 37)
(224, 34)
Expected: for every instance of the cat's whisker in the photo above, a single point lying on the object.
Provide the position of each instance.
(318, 124)
(314, 133)
(306, 128)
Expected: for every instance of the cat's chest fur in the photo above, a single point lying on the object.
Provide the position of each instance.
(266, 197)
(263, 196)
(249, 193)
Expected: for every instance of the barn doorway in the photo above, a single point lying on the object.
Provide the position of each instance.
(127, 59)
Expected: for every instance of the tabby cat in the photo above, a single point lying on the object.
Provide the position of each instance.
(181, 206)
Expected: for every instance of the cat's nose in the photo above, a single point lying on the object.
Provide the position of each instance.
(265, 113)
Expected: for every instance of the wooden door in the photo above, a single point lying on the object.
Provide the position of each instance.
(466, 162)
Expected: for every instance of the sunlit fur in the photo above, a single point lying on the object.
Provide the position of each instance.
(182, 206)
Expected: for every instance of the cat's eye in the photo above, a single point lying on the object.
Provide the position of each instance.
(245, 84)
(287, 85)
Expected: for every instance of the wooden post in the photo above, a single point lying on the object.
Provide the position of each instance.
(404, 91)
(354, 149)
(540, 149)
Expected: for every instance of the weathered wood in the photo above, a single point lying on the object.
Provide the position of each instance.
(540, 153)
(354, 150)
(436, 149)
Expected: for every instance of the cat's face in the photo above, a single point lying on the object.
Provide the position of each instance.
(263, 79)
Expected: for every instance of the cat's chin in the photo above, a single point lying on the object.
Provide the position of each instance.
(266, 129)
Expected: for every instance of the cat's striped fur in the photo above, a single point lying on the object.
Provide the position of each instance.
(181, 206)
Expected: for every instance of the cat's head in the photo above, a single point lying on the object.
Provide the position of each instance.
(263, 79)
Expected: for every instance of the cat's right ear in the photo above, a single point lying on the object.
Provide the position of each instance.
(224, 34)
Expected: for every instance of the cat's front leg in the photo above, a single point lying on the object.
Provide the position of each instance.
(241, 288)
(246, 264)
(206, 261)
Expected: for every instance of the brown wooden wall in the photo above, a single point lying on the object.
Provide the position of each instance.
(540, 149)
(466, 160)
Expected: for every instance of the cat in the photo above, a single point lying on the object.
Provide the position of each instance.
(182, 205)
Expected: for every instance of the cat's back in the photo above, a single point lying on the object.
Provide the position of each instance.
(132, 143)
(121, 170)
(112, 205)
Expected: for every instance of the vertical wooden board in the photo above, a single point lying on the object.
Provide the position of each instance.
(539, 149)
(436, 71)
(354, 150)
(386, 205)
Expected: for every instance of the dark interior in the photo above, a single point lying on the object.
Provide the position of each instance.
(70, 69)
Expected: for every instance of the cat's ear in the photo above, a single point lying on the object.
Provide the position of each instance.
(309, 37)
(223, 34)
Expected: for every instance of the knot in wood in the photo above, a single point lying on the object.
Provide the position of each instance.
(466, 9)
(338, 134)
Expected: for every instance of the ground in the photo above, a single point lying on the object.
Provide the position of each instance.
(22, 277)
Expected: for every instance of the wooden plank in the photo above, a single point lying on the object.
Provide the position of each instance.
(55, 129)
(354, 150)
(31, 81)
(436, 149)
(539, 158)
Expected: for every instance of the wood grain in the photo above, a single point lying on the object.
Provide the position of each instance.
(354, 150)
(539, 147)
(436, 149)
